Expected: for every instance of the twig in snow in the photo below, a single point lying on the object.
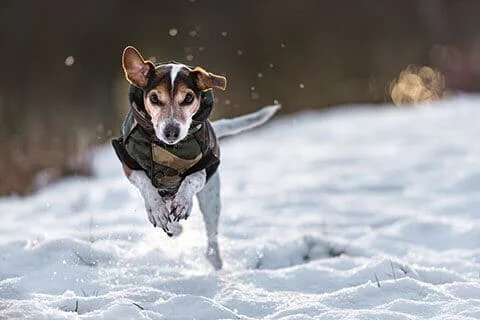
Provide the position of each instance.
(76, 307)
(376, 279)
(393, 270)
(138, 306)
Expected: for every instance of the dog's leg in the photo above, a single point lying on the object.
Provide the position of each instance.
(183, 200)
(156, 208)
(209, 202)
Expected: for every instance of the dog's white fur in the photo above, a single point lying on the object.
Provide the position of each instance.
(182, 202)
(159, 130)
(159, 127)
(230, 127)
(175, 69)
(208, 194)
(155, 205)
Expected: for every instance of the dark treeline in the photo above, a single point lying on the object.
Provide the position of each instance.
(305, 54)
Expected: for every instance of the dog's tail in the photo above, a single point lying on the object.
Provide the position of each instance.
(229, 127)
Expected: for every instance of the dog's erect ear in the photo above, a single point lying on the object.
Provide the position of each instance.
(136, 69)
(206, 80)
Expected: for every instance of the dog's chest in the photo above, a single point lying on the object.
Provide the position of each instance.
(168, 165)
(165, 165)
(171, 163)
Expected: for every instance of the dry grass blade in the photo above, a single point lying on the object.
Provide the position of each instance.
(376, 279)
(138, 306)
(393, 270)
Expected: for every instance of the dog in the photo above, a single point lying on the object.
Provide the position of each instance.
(169, 148)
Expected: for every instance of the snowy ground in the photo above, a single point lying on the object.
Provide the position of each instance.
(316, 208)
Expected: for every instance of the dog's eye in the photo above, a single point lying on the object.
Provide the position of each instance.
(154, 99)
(188, 99)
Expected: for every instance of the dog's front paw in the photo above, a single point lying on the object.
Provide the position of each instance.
(157, 213)
(181, 207)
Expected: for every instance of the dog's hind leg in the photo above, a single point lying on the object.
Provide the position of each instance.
(209, 202)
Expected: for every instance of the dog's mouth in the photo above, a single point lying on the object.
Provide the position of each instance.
(171, 142)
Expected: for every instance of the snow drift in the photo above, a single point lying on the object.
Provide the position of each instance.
(351, 214)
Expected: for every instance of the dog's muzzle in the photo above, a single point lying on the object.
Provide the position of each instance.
(171, 132)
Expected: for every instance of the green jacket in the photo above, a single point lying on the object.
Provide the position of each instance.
(167, 165)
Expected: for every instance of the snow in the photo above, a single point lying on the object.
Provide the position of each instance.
(316, 208)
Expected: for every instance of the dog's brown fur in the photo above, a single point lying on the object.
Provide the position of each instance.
(178, 98)
(171, 104)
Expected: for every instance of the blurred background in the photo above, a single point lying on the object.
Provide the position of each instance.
(62, 88)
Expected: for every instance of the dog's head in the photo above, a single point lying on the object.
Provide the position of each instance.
(171, 92)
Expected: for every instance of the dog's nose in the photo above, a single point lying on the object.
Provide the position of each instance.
(171, 132)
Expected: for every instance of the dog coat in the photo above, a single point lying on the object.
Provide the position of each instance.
(167, 165)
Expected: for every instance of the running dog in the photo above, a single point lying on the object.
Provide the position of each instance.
(169, 148)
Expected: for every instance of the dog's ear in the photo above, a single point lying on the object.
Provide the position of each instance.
(206, 80)
(136, 69)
